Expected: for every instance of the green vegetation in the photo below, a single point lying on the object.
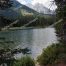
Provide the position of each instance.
(60, 31)
(25, 61)
(41, 22)
(61, 14)
(53, 54)
(61, 9)
(7, 52)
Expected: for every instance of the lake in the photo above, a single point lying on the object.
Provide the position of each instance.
(34, 39)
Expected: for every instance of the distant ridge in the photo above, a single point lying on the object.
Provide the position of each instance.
(14, 13)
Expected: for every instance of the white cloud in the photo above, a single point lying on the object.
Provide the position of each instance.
(39, 1)
(46, 3)
(22, 1)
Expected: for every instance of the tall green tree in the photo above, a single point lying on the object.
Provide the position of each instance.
(61, 14)
(61, 8)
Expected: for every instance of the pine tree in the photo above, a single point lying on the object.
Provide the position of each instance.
(61, 14)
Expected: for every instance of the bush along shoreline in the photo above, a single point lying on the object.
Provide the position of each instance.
(53, 55)
(24, 61)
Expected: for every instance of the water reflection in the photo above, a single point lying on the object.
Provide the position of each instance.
(41, 39)
(34, 39)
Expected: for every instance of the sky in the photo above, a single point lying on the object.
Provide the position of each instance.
(46, 3)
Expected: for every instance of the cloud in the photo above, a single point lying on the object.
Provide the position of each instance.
(46, 3)
(22, 1)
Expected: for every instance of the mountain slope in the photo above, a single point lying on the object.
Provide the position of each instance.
(13, 12)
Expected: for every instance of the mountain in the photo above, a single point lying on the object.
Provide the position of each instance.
(15, 11)
(40, 8)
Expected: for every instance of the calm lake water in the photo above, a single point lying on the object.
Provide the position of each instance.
(34, 39)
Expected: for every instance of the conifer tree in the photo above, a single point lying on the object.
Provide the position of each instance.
(61, 14)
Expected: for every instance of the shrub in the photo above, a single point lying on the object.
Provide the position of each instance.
(52, 53)
(25, 61)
